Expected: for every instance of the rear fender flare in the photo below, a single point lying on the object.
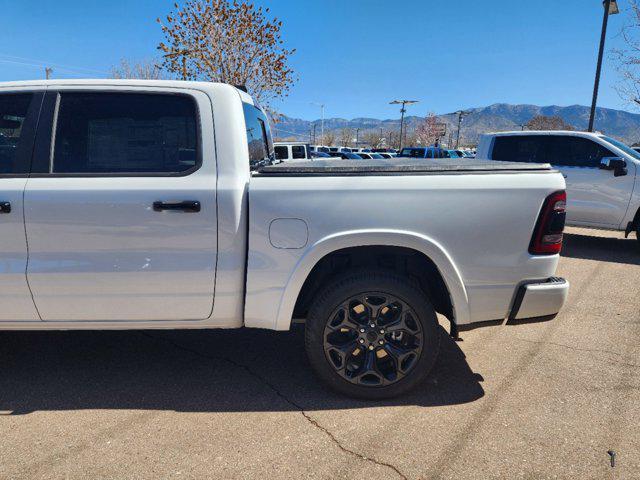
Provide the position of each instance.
(361, 238)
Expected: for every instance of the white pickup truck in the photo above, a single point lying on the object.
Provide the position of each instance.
(153, 204)
(601, 173)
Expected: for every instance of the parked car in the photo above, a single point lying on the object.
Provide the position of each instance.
(346, 155)
(339, 149)
(422, 152)
(450, 154)
(385, 155)
(601, 173)
(320, 155)
(287, 152)
(366, 156)
(156, 204)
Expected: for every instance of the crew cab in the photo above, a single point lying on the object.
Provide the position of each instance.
(130, 204)
(287, 152)
(601, 173)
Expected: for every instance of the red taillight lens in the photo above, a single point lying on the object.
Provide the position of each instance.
(547, 236)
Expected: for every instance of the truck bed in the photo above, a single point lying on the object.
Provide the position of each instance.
(399, 166)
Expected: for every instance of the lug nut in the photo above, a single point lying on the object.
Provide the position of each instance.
(362, 330)
(372, 325)
(361, 340)
(371, 347)
(381, 342)
(382, 331)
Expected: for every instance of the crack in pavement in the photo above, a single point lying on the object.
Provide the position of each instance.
(579, 349)
(273, 388)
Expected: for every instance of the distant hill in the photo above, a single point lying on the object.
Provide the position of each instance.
(498, 117)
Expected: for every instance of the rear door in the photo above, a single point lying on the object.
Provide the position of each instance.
(18, 119)
(120, 208)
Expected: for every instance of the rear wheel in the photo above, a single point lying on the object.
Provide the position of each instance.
(372, 335)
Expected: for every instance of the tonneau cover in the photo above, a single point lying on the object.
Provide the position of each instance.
(392, 166)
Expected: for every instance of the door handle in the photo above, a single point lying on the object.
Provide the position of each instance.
(5, 207)
(186, 206)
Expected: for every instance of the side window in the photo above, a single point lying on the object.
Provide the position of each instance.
(281, 152)
(13, 113)
(120, 133)
(258, 137)
(519, 148)
(572, 151)
(297, 151)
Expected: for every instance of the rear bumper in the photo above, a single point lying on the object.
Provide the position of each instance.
(540, 299)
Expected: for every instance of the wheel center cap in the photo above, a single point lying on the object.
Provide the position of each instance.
(372, 336)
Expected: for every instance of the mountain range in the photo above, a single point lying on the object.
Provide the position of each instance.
(498, 117)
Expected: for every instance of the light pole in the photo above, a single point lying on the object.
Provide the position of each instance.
(404, 104)
(610, 8)
(321, 105)
(357, 136)
(460, 114)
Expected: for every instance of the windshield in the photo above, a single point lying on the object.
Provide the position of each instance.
(625, 148)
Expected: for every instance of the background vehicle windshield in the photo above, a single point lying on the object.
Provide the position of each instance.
(625, 148)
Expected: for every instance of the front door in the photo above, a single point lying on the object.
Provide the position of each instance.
(18, 117)
(595, 197)
(120, 211)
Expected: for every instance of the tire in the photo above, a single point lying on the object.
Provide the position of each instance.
(369, 355)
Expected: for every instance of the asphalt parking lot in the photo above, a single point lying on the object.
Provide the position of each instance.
(545, 400)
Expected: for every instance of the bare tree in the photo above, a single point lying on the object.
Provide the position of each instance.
(229, 42)
(143, 69)
(543, 122)
(427, 130)
(346, 137)
(628, 57)
(372, 138)
(329, 139)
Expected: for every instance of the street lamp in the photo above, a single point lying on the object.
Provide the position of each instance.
(321, 105)
(404, 103)
(460, 114)
(610, 8)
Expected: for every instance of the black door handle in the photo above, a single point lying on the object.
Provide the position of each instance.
(5, 207)
(186, 206)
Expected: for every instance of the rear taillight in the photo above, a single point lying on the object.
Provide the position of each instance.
(547, 236)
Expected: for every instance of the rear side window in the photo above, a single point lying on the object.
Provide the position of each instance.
(13, 113)
(258, 137)
(519, 148)
(575, 152)
(298, 151)
(119, 133)
(281, 152)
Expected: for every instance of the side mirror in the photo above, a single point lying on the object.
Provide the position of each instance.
(617, 164)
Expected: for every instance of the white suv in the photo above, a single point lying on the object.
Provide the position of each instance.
(600, 172)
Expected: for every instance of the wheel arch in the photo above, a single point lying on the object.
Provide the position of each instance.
(418, 243)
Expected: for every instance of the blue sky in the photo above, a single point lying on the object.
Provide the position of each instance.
(353, 55)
